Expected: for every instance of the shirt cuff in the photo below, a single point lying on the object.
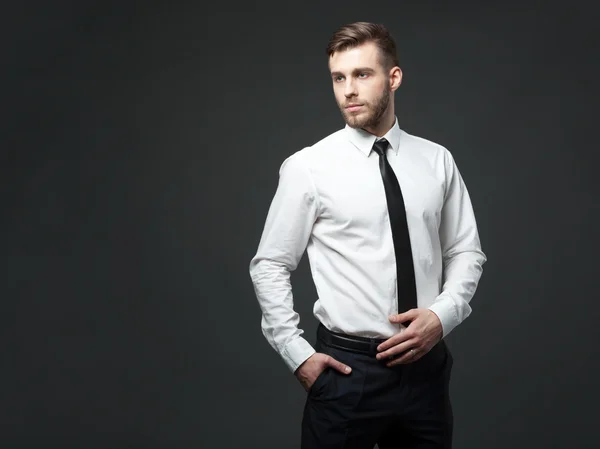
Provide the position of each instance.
(296, 352)
(444, 308)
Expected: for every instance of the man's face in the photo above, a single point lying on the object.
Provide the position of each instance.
(361, 85)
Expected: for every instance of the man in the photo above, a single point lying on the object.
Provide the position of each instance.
(395, 255)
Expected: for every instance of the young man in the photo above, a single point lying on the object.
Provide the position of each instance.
(395, 255)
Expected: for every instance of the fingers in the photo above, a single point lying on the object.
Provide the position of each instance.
(398, 349)
(409, 315)
(337, 365)
(409, 357)
(405, 335)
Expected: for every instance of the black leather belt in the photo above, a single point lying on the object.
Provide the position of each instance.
(363, 345)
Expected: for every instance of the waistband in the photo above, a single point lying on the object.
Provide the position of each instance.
(362, 345)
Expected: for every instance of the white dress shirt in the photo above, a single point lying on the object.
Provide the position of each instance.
(330, 201)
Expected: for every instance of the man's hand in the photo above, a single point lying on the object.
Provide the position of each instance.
(310, 369)
(424, 331)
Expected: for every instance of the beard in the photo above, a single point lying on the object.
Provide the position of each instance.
(371, 114)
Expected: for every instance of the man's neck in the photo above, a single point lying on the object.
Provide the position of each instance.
(384, 125)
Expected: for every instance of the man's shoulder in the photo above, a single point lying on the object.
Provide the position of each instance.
(318, 151)
(327, 143)
(422, 144)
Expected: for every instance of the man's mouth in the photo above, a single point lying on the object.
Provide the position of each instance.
(353, 107)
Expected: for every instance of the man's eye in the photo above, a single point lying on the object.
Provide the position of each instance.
(363, 75)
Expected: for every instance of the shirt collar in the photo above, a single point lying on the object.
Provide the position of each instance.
(364, 141)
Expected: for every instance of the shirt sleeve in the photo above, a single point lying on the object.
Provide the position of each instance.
(286, 233)
(462, 256)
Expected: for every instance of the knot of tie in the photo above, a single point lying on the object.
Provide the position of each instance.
(380, 146)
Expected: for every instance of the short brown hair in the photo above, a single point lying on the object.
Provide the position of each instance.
(358, 33)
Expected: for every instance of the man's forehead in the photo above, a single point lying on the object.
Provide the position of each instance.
(365, 55)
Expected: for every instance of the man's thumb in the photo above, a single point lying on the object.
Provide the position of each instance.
(403, 317)
(342, 368)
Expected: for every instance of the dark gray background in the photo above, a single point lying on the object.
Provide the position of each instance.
(140, 148)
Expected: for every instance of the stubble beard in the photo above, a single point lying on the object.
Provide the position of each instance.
(370, 118)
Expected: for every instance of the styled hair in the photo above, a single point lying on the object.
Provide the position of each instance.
(357, 33)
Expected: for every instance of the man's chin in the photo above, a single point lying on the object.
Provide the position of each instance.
(353, 122)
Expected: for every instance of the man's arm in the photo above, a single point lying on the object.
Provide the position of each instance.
(288, 226)
(461, 251)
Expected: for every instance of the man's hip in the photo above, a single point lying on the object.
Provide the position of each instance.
(373, 400)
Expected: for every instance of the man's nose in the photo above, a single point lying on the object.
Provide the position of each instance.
(350, 89)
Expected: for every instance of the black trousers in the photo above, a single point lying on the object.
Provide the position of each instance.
(401, 407)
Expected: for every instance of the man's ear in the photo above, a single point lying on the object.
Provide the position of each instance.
(395, 78)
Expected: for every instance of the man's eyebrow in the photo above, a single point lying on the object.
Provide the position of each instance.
(355, 71)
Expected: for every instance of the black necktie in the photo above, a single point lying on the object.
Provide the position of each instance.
(407, 289)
